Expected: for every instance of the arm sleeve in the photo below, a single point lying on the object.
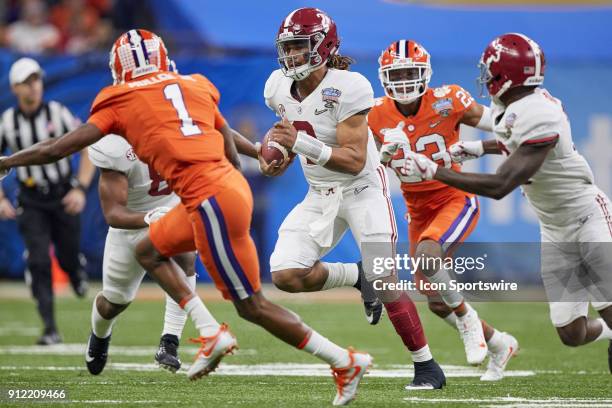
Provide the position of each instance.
(112, 152)
(219, 119)
(535, 126)
(270, 90)
(356, 97)
(104, 119)
(462, 100)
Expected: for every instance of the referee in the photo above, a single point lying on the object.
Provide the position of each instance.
(50, 196)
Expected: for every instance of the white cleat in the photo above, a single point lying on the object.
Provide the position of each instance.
(498, 361)
(212, 350)
(470, 330)
(348, 378)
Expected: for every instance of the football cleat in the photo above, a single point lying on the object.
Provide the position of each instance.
(348, 378)
(212, 350)
(167, 356)
(470, 330)
(49, 338)
(374, 309)
(498, 361)
(96, 353)
(427, 376)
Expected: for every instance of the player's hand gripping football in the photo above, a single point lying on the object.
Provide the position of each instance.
(284, 133)
(394, 139)
(419, 165)
(466, 150)
(275, 168)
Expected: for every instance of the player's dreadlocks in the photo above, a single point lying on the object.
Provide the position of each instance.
(338, 61)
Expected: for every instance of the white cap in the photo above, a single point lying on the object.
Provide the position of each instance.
(22, 69)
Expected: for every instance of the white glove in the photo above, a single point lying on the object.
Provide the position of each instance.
(466, 150)
(155, 214)
(5, 172)
(419, 165)
(394, 139)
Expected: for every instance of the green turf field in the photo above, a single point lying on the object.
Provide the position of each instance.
(545, 374)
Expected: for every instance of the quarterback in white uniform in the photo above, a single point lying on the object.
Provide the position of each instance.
(133, 195)
(323, 108)
(531, 127)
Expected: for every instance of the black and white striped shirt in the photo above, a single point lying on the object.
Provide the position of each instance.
(19, 131)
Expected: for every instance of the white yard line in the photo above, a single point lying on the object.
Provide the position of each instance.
(78, 349)
(281, 369)
(514, 402)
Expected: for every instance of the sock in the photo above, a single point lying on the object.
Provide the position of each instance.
(495, 343)
(175, 316)
(100, 326)
(606, 332)
(327, 351)
(405, 319)
(452, 298)
(203, 320)
(340, 274)
(451, 319)
(421, 355)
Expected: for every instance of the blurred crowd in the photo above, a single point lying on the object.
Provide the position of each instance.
(68, 26)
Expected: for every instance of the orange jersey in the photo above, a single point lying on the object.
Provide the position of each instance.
(433, 129)
(171, 121)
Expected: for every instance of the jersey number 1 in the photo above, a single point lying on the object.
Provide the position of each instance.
(173, 93)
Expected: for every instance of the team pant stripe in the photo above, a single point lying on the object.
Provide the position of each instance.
(382, 174)
(217, 260)
(462, 222)
(604, 208)
(228, 247)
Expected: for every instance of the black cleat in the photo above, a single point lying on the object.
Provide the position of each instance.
(373, 306)
(427, 376)
(96, 353)
(167, 355)
(49, 338)
(610, 356)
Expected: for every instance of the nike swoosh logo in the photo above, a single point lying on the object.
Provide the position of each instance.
(434, 124)
(318, 112)
(88, 358)
(360, 189)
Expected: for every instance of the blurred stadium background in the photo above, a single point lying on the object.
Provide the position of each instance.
(232, 43)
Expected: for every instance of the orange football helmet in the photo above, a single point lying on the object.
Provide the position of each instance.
(404, 70)
(137, 53)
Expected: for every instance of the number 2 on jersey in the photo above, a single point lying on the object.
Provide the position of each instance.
(173, 93)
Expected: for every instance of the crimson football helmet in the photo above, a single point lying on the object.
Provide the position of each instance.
(509, 61)
(137, 53)
(404, 71)
(306, 39)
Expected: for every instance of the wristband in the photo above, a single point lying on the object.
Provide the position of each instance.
(311, 148)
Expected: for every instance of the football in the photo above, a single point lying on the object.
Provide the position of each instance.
(272, 151)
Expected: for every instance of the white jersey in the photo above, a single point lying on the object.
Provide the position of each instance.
(146, 189)
(562, 190)
(340, 95)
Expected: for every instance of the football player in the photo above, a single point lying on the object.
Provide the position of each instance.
(323, 109)
(133, 195)
(532, 129)
(169, 120)
(414, 117)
